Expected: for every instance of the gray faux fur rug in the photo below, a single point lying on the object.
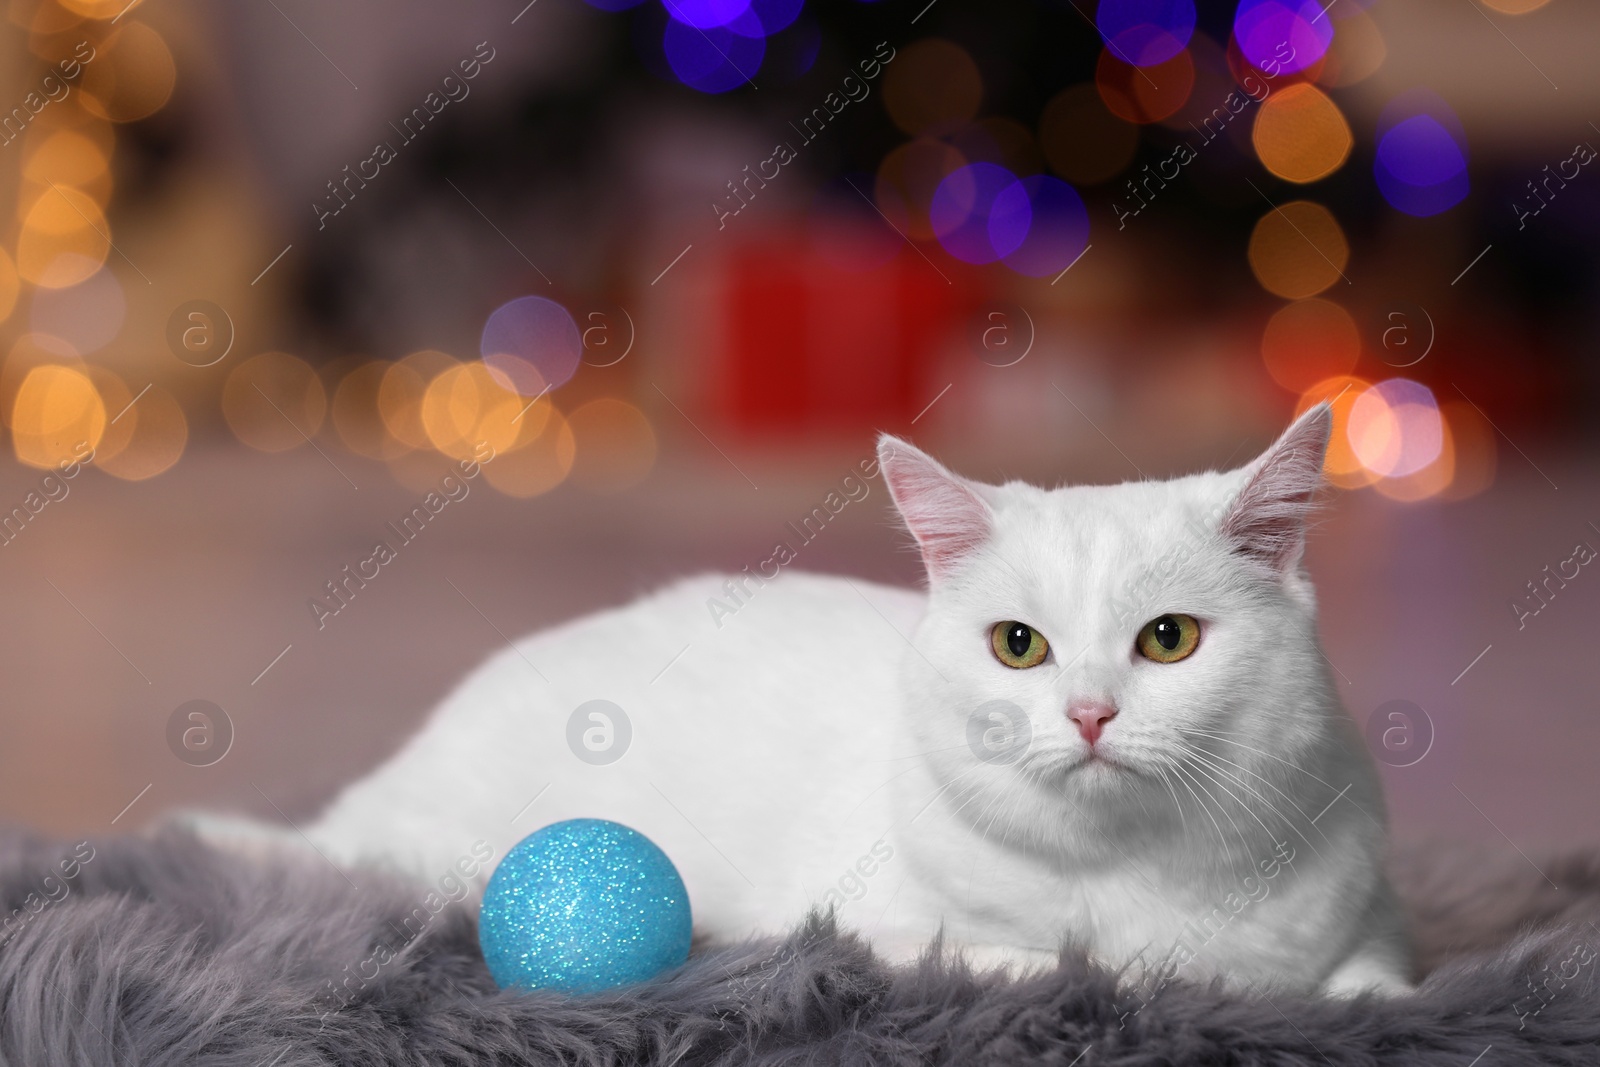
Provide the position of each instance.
(162, 951)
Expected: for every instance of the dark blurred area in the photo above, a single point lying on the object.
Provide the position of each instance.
(276, 267)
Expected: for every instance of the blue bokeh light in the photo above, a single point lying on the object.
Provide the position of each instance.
(1283, 35)
(771, 16)
(1038, 226)
(717, 59)
(1145, 33)
(706, 14)
(1421, 162)
(961, 208)
(1419, 151)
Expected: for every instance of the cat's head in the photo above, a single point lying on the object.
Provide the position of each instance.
(1086, 641)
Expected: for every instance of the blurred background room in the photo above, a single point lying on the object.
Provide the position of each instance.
(271, 268)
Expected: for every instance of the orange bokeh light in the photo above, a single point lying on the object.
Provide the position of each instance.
(1357, 51)
(98, 9)
(156, 438)
(1082, 140)
(274, 402)
(1515, 7)
(1308, 341)
(27, 352)
(64, 239)
(69, 157)
(1300, 134)
(616, 445)
(933, 87)
(57, 410)
(1144, 94)
(1342, 466)
(537, 466)
(400, 394)
(1395, 428)
(1298, 250)
(1431, 480)
(906, 181)
(468, 405)
(132, 77)
(117, 397)
(10, 285)
(355, 413)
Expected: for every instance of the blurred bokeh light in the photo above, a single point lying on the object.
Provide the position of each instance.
(1298, 249)
(654, 255)
(1145, 33)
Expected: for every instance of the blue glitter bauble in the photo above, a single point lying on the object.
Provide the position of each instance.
(581, 906)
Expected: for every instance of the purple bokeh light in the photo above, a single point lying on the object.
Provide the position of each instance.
(1286, 35)
(706, 14)
(1145, 32)
(1421, 162)
(960, 210)
(531, 331)
(771, 16)
(1038, 226)
(718, 59)
(1395, 429)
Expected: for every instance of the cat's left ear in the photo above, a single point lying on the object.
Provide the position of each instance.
(1266, 522)
(943, 511)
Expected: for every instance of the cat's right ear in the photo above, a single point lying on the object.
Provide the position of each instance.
(942, 510)
(1266, 522)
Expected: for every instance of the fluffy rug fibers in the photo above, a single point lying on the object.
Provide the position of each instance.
(164, 951)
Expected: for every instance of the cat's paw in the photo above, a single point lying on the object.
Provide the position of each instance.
(239, 836)
(1367, 973)
(1018, 961)
(979, 957)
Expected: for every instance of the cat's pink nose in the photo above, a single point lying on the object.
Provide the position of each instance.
(1091, 717)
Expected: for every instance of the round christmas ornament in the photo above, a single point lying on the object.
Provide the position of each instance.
(583, 905)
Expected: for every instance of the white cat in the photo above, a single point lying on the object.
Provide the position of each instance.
(1106, 723)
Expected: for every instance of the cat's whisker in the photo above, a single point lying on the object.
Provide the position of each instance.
(976, 795)
(934, 796)
(1149, 798)
(1198, 762)
(1211, 758)
(1244, 839)
(1202, 762)
(1287, 763)
(1017, 809)
(1166, 781)
(989, 812)
(1227, 739)
(979, 813)
(1268, 782)
(1010, 811)
(1177, 775)
(1186, 778)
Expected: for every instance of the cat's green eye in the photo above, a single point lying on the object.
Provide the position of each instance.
(1016, 644)
(1169, 638)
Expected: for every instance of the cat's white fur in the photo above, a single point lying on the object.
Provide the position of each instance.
(832, 744)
